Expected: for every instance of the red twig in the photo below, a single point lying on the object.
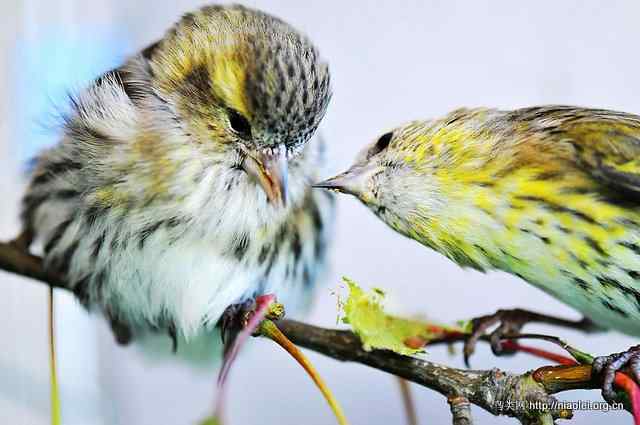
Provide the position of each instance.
(633, 392)
(262, 307)
(538, 352)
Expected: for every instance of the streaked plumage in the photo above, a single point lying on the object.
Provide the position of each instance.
(146, 203)
(550, 194)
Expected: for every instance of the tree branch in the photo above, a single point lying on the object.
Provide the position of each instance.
(496, 391)
(15, 260)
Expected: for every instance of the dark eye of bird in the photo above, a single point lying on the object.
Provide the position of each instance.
(239, 124)
(381, 144)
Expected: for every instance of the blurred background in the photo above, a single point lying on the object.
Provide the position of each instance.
(390, 62)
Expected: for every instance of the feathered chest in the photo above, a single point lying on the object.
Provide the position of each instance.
(562, 232)
(172, 274)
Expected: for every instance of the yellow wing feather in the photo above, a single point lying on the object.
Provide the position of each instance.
(605, 143)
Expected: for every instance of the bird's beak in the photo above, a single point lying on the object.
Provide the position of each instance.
(353, 181)
(269, 168)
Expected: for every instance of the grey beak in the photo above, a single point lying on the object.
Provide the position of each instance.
(352, 182)
(339, 183)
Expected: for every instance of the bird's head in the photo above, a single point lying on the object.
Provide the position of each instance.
(394, 175)
(246, 89)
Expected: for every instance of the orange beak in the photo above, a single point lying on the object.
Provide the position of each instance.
(269, 168)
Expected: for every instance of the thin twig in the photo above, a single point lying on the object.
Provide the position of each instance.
(407, 401)
(271, 331)
(460, 410)
(498, 392)
(56, 417)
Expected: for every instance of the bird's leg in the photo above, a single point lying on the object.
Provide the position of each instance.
(233, 320)
(510, 322)
(609, 365)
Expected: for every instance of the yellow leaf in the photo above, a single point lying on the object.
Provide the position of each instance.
(364, 312)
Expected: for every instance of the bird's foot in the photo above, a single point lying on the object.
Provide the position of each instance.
(607, 366)
(237, 316)
(233, 320)
(509, 323)
(238, 322)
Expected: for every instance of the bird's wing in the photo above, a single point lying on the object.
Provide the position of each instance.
(605, 143)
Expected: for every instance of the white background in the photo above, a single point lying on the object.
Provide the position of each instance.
(391, 62)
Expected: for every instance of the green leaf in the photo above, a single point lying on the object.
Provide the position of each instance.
(211, 420)
(364, 312)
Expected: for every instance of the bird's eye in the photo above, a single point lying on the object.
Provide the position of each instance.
(239, 124)
(381, 144)
(384, 141)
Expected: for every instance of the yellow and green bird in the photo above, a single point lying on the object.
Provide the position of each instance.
(550, 194)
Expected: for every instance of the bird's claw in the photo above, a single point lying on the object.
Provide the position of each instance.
(509, 322)
(236, 317)
(607, 366)
(233, 320)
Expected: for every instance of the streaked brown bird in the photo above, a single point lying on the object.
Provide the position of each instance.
(180, 185)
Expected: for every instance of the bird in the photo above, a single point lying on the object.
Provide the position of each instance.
(550, 194)
(180, 184)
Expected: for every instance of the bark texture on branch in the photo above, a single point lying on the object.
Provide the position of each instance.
(498, 392)
(15, 260)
